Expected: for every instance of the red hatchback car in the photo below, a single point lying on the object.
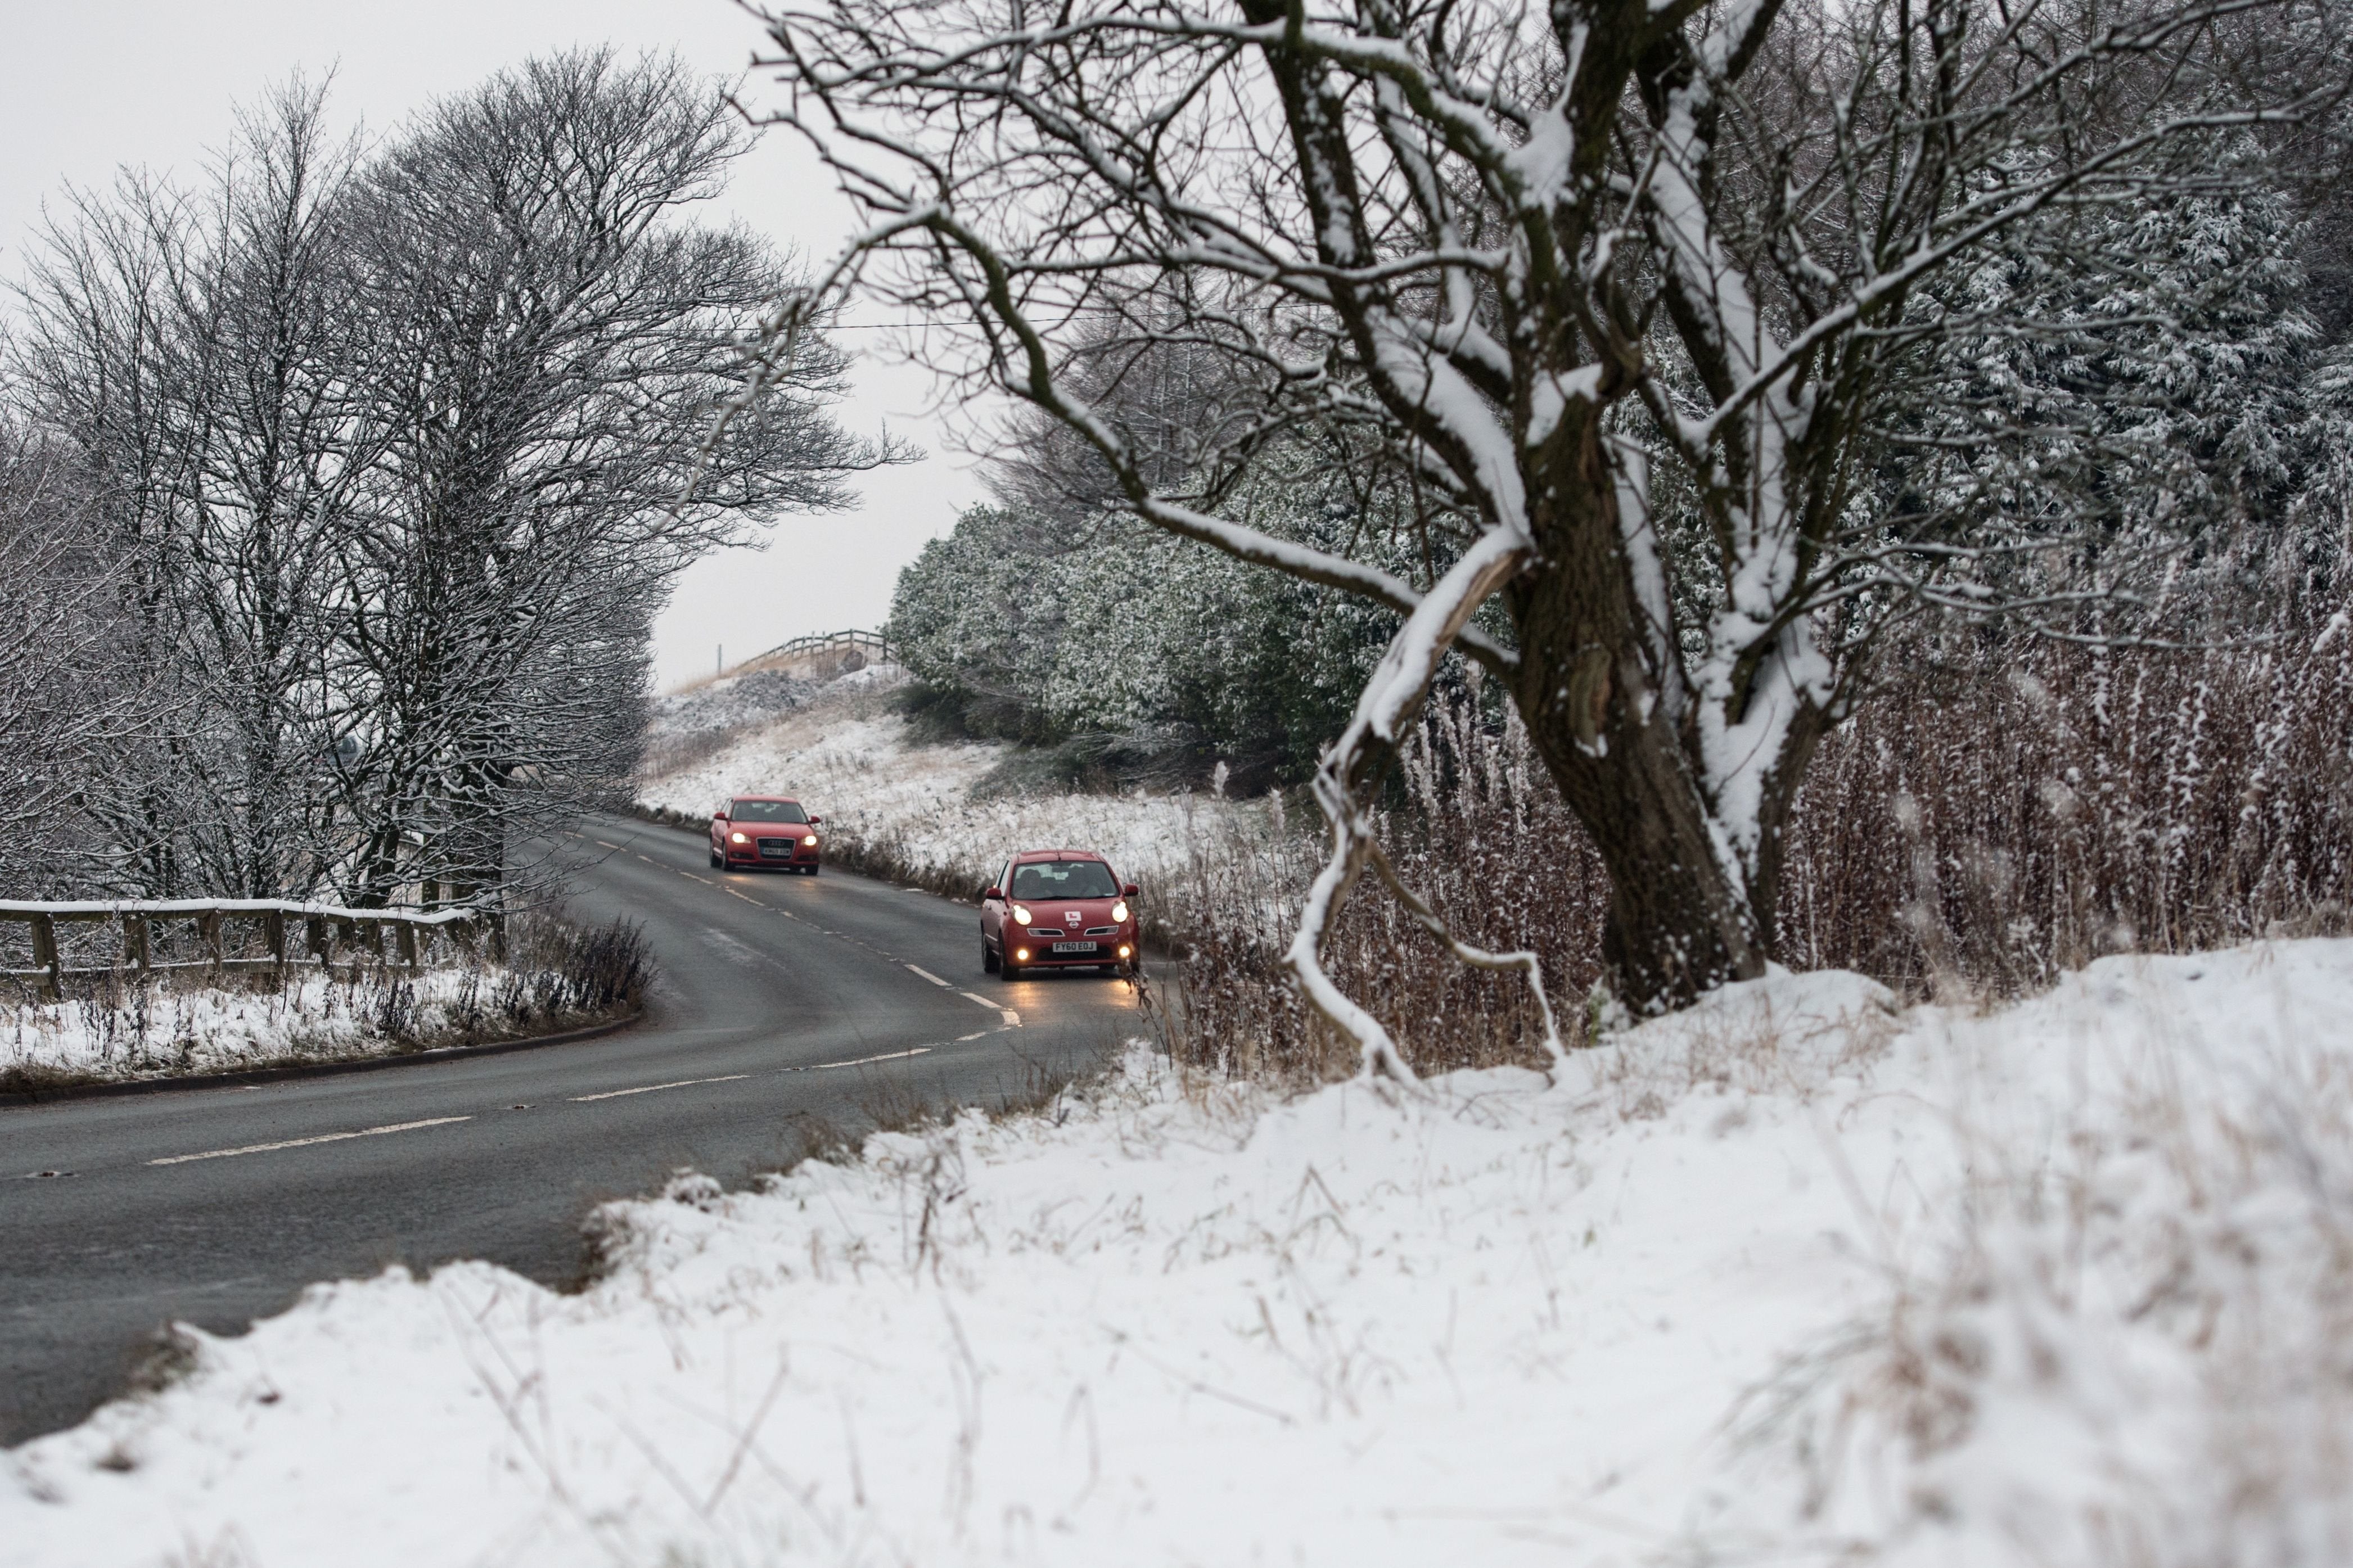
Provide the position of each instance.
(755, 831)
(1057, 909)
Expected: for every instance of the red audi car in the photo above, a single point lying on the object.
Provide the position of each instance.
(1057, 909)
(756, 830)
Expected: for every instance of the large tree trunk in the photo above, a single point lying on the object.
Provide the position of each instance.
(1602, 688)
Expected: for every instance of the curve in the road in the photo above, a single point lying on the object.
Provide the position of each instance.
(781, 998)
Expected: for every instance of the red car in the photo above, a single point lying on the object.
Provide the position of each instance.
(1057, 909)
(756, 830)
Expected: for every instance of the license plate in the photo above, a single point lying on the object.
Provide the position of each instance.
(1074, 947)
(777, 852)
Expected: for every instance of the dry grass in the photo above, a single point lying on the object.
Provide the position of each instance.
(2174, 1294)
(1976, 836)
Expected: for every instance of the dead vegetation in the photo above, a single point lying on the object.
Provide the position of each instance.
(1976, 836)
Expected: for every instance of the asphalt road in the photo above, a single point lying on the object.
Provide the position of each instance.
(781, 997)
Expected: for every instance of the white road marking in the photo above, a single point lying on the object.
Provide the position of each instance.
(974, 1035)
(928, 975)
(649, 1088)
(861, 1061)
(692, 878)
(1012, 1019)
(300, 1142)
(602, 845)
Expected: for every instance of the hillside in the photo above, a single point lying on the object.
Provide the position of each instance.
(904, 808)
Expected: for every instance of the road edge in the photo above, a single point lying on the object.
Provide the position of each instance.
(254, 1075)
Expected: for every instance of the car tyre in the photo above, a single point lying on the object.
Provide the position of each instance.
(1007, 970)
(812, 870)
(988, 957)
(718, 861)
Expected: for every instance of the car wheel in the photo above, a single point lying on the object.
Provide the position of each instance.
(1007, 970)
(988, 957)
(718, 861)
(812, 870)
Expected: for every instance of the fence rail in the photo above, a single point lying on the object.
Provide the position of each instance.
(876, 643)
(327, 928)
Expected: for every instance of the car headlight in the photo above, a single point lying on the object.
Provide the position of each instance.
(810, 841)
(737, 838)
(1119, 911)
(1125, 950)
(1021, 955)
(1024, 916)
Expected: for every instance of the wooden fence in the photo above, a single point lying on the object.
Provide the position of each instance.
(872, 647)
(327, 930)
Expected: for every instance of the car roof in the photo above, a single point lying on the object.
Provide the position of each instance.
(1028, 855)
(774, 799)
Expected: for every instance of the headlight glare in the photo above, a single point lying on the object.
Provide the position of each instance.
(1022, 914)
(1119, 911)
(810, 841)
(737, 838)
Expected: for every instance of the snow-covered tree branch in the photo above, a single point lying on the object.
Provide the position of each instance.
(1650, 301)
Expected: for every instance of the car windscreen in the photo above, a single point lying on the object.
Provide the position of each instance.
(1046, 880)
(766, 810)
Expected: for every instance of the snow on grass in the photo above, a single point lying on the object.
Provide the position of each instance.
(167, 1029)
(907, 808)
(1790, 1278)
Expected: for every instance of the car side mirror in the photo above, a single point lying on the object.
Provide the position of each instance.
(989, 894)
(816, 822)
(1129, 891)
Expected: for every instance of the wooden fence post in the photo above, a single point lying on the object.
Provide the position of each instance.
(273, 931)
(208, 927)
(314, 933)
(404, 935)
(134, 943)
(45, 957)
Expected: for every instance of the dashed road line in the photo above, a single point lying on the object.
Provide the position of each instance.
(650, 1087)
(704, 881)
(861, 1061)
(1012, 1018)
(301, 1142)
(929, 975)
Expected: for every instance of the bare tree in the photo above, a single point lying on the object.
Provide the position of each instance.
(90, 369)
(549, 336)
(64, 694)
(1638, 292)
(384, 457)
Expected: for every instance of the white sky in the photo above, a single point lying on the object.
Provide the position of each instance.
(85, 87)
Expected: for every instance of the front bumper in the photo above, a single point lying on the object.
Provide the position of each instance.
(1100, 951)
(771, 851)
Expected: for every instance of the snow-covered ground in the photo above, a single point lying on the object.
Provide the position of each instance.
(176, 1031)
(846, 754)
(1792, 1278)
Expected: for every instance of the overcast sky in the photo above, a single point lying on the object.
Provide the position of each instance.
(88, 86)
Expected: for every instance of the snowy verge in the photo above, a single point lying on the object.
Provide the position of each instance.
(1791, 1276)
(899, 808)
(168, 1030)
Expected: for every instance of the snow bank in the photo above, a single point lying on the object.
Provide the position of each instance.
(1791, 1276)
(909, 807)
(169, 1030)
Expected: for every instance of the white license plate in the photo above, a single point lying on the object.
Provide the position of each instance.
(1074, 947)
